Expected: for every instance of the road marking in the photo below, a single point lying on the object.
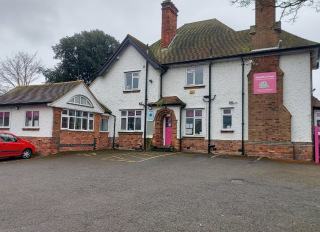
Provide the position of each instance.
(135, 158)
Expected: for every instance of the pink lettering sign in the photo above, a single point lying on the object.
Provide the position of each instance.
(265, 83)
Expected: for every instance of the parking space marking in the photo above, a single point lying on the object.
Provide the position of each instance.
(135, 158)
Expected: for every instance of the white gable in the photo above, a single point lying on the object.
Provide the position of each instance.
(65, 102)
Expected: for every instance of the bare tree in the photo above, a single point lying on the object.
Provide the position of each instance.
(289, 8)
(21, 69)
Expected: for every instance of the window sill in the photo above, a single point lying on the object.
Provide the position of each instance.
(132, 91)
(130, 132)
(195, 87)
(227, 131)
(30, 129)
(104, 131)
(64, 129)
(193, 136)
(4, 128)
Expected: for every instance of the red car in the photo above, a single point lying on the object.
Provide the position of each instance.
(11, 145)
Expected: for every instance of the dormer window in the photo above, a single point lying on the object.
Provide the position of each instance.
(80, 100)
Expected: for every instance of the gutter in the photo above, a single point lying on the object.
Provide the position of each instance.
(180, 133)
(114, 130)
(247, 55)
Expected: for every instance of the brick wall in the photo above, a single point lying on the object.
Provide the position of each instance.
(169, 23)
(265, 36)
(130, 140)
(46, 146)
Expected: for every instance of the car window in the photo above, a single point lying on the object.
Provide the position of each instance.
(8, 138)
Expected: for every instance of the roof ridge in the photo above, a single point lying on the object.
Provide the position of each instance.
(49, 84)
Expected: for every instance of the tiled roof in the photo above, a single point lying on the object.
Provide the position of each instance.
(315, 102)
(37, 94)
(212, 39)
(166, 101)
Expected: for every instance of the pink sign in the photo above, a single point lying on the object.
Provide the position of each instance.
(265, 83)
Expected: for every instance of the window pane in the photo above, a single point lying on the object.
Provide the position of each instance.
(135, 83)
(71, 123)
(123, 124)
(84, 124)
(1, 121)
(35, 118)
(138, 112)
(131, 123)
(78, 113)
(77, 99)
(1, 114)
(138, 123)
(78, 124)
(83, 101)
(91, 115)
(65, 112)
(128, 81)
(318, 115)
(190, 69)
(104, 125)
(189, 123)
(135, 74)
(199, 75)
(189, 113)
(189, 78)
(7, 114)
(199, 113)
(64, 123)
(71, 112)
(123, 113)
(226, 111)
(85, 114)
(198, 127)
(131, 113)
(28, 118)
(227, 122)
(90, 124)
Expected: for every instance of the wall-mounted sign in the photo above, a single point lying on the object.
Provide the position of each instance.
(150, 115)
(265, 83)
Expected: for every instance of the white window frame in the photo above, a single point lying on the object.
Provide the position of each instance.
(102, 120)
(87, 102)
(3, 117)
(192, 71)
(224, 112)
(191, 131)
(134, 75)
(32, 119)
(126, 116)
(80, 117)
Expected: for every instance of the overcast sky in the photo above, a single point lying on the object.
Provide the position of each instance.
(36, 25)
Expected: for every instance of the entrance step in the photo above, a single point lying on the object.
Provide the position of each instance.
(162, 149)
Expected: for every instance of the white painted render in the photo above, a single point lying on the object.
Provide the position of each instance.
(297, 94)
(109, 88)
(17, 120)
(226, 85)
(79, 90)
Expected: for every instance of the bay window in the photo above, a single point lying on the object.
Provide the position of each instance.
(77, 120)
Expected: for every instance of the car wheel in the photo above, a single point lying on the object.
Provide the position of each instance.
(26, 154)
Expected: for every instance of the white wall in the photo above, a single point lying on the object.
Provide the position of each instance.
(226, 85)
(297, 94)
(17, 120)
(109, 88)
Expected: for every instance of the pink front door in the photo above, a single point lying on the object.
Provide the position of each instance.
(167, 131)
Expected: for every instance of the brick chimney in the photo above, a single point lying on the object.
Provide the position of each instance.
(266, 32)
(169, 23)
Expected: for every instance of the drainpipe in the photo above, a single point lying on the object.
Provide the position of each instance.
(114, 130)
(180, 133)
(146, 107)
(209, 121)
(242, 113)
